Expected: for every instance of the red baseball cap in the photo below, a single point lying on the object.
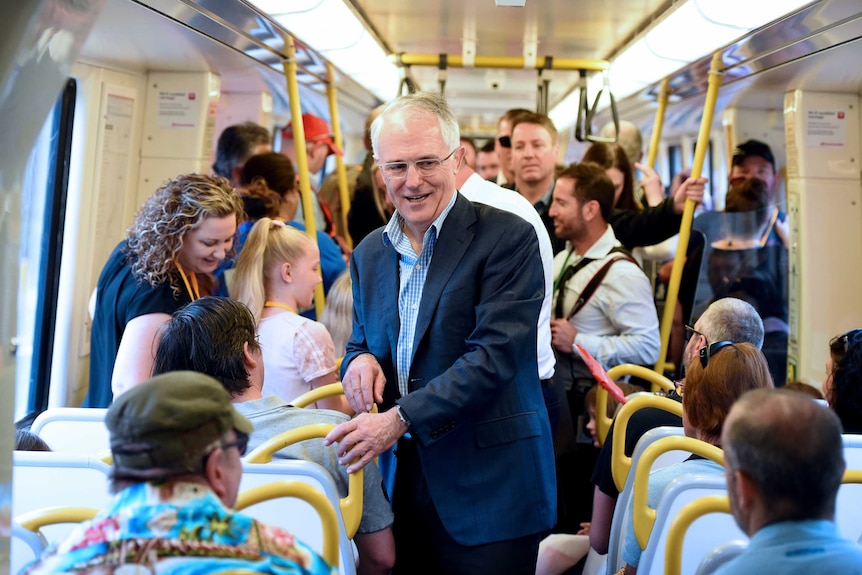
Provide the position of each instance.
(316, 130)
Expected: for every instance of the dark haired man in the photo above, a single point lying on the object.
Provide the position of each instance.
(236, 145)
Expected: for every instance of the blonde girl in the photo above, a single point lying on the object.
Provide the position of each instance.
(276, 274)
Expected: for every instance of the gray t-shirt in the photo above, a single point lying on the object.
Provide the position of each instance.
(272, 415)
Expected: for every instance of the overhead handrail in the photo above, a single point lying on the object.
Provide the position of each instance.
(581, 129)
(716, 75)
(301, 156)
(543, 85)
(442, 73)
(340, 169)
(506, 62)
(606, 85)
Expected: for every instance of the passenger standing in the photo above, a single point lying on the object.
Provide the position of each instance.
(269, 182)
(236, 145)
(447, 298)
(487, 162)
(276, 275)
(784, 461)
(178, 238)
(503, 146)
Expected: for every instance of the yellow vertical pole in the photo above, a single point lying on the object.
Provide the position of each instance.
(655, 138)
(715, 77)
(343, 191)
(301, 155)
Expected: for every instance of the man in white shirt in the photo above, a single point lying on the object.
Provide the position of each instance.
(618, 322)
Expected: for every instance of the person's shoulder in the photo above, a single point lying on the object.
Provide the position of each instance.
(307, 416)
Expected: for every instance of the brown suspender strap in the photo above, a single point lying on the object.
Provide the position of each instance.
(595, 282)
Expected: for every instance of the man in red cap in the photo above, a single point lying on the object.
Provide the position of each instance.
(318, 145)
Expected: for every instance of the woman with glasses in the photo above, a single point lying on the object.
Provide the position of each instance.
(721, 373)
(842, 386)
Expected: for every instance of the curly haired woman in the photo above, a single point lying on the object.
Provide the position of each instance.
(178, 238)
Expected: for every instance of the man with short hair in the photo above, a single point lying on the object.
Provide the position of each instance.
(783, 456)
(216, 336)
(447, 297)
(487, 162)
(319, 145)
(754, 159)
(503, 145)
(236, 145)
(728, 319)
(176, 443)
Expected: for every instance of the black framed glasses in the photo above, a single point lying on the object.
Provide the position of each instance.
(425, 167)
(710, 350)
(839, 344)
(505, 141)
(241, 443)
(690, 331)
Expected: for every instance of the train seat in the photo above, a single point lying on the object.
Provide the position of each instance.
(45, 479)
(73, 429)
(298, 517)
(622, 511)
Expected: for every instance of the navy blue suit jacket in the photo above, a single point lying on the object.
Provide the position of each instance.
(475, 403)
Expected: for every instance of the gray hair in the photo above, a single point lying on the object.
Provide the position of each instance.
(791, 448)
(734, 320)
(418, 104)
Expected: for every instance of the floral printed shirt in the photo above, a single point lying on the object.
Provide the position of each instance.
(177, 528)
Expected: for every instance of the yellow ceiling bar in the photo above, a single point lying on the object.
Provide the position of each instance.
(301, 154)
(510, 62)
(340, 170)
(716, 74)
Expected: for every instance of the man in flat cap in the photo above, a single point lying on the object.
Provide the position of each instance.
(176, 442)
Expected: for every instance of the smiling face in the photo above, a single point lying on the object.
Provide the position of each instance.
(206, 245)
(408, 137)
(567, 211)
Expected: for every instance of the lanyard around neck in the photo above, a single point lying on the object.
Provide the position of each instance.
(192, 288)
(563, 269)
(278, 304)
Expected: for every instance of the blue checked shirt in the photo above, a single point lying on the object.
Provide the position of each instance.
(413, 271)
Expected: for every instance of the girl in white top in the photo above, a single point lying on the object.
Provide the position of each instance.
(276, 274)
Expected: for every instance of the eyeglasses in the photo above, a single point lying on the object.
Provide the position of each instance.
(241, 443)
(839, 344)
(505, 141)
(690, 331)
(710, 350)
(425, 167)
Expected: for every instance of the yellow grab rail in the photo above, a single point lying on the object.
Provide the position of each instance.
(680, 524)
(351, 504)
(301, 154)
(304, 491)
(658, 125)
(621, 463)
(658, 381)
(38, 518)
(643, 516)
(343, 191)
(715, 78)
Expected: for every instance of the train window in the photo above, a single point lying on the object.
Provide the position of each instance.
(674, 160)
(43, 208)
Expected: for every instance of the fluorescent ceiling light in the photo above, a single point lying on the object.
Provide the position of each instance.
(332, 29)
(691, 30)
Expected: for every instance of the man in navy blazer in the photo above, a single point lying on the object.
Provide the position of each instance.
(446, 345)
